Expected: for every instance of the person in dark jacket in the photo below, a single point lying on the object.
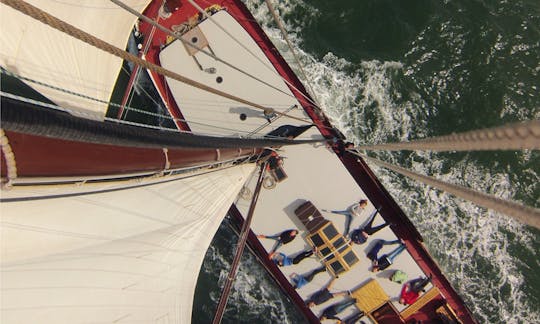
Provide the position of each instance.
(377, 246)
(353, 319)
(360, 235)
(324, 294)
(386, 260)
(330, 312)
(281, 238)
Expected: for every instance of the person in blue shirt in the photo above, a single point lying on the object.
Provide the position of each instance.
(283, 260)
(300, 280)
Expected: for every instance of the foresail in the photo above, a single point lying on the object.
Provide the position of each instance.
(36, 51)
(120, 255)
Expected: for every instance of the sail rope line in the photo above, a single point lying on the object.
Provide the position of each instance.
(513, 136)
(147, 95)
(39, 229)
(258, 129)
(137, 76)
(75, 112)
(289, 44)
(200, 49)
(71, 30)
(242, 239)
(524, 214)
(9, 156)
(270, 68)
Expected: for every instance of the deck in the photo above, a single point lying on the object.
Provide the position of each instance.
(328, 185)
(314, 172)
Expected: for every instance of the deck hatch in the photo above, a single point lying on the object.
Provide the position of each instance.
(333, 249)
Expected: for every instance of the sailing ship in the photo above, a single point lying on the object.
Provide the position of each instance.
(108, 208)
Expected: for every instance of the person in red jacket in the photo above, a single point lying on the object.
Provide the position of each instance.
(408, 296)
(411, 290)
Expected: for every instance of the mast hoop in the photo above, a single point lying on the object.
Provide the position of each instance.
(9, 156)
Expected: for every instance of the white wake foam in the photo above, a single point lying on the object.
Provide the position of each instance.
(473, 246)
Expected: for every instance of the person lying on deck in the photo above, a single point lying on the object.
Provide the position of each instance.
(353, 319)
(281, 238)
(377, 246)
(330, 312)
(354, 210)
(360, 235)
(283, 260)
(411, 290)
(301, 280)
(385, 260)
(324, 294)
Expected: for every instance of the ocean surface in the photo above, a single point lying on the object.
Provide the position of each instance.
(387, 70)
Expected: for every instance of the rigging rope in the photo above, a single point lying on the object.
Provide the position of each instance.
(515, 136)
(190, 44)
(19, 116)
(205, 14)
(289, 44)
(135, 80)
(524, 214)
(141, 88)
(239, 250)
(126, 122)
(71, 30)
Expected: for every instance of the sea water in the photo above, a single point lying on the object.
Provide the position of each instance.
(394, 70)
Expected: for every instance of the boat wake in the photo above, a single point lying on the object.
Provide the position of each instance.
(490, 259)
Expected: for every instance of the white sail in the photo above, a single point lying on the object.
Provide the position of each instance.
(116, 256)
(38, 52)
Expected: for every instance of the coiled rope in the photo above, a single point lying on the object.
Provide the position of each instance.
(524, 214)
(515, 136)
(73, 31)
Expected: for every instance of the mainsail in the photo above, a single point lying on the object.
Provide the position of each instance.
(68, 63)
(107, 245)
(118, 254)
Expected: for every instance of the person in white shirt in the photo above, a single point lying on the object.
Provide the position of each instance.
(354, 210)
